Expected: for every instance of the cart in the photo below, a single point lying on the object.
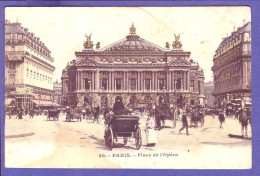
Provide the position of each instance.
(54, 114)
(73, 114)
(124, 127)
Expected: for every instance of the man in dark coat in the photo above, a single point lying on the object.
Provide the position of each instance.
(184, 123)
(118, 107)
(221, 118)
(31, 113)
(243, 120)
(20, 113)
(96, 114)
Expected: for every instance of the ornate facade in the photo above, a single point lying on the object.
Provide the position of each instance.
(28, 67)
(208, 89)
(132, 68)
(232, 67)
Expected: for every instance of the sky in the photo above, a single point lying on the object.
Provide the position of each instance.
(63, 29)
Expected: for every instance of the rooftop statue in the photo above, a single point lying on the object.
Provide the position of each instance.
(132, 29)
(98, 45)
(167, 45)
(88, 43)
(177, 43)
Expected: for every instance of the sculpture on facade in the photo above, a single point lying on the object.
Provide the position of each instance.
(177, 43)
(88, 43)
(167, 45)
(132, 29)
(98, 45)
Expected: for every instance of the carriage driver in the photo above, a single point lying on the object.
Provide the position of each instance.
(118, 107)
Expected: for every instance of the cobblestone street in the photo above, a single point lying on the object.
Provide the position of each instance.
(60, 144)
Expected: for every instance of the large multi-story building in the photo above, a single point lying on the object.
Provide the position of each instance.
(232, 67)
(132, 69)
(208, 89)
(57, 95)
(28, 67)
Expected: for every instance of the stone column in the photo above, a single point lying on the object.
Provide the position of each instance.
(127, 81)
(124, 81)
(156, 81)
(152, 84)
(92, 81)
(97, 80)
(79, 80)
(109, 81)
(82, 80)
(188, 81)
(170, 80)
(173, 81)
(141, 81)
(113, 81)
(246, 66)
(184, 80)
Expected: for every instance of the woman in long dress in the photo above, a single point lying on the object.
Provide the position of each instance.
(150, 133)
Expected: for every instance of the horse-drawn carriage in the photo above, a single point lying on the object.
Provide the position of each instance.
(72, 114)
(54, 114)
(125, 127)
(196, 116)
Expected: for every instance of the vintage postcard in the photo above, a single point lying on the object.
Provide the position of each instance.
(128, 87)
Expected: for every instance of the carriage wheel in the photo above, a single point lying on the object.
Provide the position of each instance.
(109, 138)
(125, 140)
(138, 138)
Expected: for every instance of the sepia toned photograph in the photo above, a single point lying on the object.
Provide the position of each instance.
(128, 87)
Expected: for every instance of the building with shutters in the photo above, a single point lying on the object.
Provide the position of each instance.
(232, 67)
(29, 68)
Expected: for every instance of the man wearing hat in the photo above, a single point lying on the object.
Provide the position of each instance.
(184, 123)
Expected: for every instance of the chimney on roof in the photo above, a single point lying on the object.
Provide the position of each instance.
(25, 29)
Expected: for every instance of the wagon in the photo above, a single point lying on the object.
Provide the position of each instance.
(73, 114)
(124, 127)
(53, 113)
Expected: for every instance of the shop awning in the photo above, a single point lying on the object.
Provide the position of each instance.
(45, 103)
(8, 101)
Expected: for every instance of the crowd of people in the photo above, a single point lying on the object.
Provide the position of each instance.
(156, 116)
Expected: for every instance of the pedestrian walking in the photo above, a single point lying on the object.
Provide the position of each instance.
(20, 113)
(96, 114)
(83, 113)
(184, 123)
(178, 114)
(157, 118)
(221, 118)
(31, 114)
(150, 133)
(243, 120)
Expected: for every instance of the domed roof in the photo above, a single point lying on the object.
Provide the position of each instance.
(133, 43)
